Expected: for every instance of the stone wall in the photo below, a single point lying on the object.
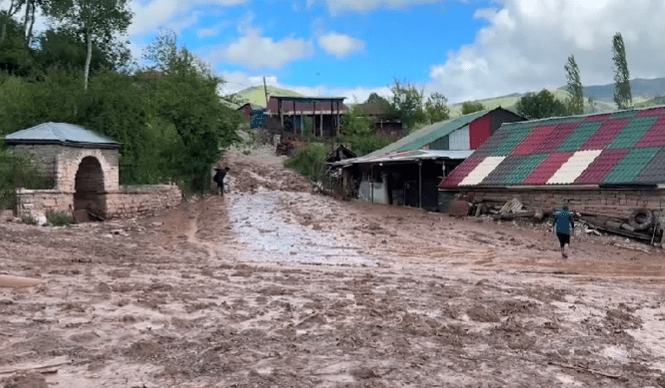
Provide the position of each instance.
(44, 156)
(133, 201)
(124, 203)
(70, 158)
(32, 203)
(609, 202)
(62, 163)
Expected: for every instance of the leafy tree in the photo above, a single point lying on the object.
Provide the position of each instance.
(357, 132)
(469, 107)
(6, 16)
(171, 124)
(95, 19)
(29, 19)
(186, 96)
(436, 108)
(356, 123)
(376, 99)
(574, 87)
(541, 105)
(14, 58)
(64, 48)
(622, 93)
(406, 104)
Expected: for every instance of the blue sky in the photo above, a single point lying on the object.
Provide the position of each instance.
(466, 49)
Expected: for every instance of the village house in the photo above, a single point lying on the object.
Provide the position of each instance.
(606, 165)
(85, 168)
(382, 126)
(316, 116)
(254, 114)
(408, 171)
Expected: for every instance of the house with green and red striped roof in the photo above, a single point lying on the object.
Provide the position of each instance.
(608, 164)
(408, 171)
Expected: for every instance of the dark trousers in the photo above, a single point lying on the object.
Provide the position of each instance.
(564, 238)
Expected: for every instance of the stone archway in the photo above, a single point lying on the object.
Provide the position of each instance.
(89, 187)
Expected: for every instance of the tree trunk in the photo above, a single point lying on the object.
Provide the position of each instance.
(25, 21)
(3, 32)
(88, 58)
(28, 37)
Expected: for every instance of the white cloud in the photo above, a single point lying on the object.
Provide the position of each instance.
(527, 42)
(237, 81)
(256, 51)
(211, 31)
(340, 45)
(151, 15)
(336, 6)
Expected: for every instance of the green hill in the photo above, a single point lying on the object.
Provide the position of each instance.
(256, 95)
(642, 90)
(507, 102)
(510, 102)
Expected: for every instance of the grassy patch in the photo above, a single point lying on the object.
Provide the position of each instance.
(18, 171)
(309, 161)
(59, 219)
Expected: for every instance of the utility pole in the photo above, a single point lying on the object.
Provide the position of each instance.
(265, 89)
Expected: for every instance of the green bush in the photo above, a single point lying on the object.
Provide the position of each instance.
(59, 219)
(30, 220)
(309, 161)
(18, 171)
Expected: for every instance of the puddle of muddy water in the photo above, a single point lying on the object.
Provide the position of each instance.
(259, 224)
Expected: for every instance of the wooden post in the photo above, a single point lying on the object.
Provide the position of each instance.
(265, 89)
(281, 114)
(420, 184)
(371, 176)
(321, 124)
(314, 118)
(338, 120)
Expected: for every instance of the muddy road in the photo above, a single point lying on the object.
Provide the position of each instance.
(272, 286)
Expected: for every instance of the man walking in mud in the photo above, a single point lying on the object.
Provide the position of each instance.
(219, 179)
(563, 224)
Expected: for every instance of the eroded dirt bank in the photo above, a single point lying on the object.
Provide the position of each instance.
(272, 286)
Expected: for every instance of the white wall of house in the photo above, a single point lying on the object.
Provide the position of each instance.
(459, 140)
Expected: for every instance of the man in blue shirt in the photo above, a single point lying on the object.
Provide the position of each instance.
(563, 223)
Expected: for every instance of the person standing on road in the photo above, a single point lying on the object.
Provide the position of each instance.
(563, 224)
(219, 179)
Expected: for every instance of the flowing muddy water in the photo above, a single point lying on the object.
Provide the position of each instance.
(215, 294)
(260, 225)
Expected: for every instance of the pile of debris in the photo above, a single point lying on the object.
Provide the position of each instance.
(644, 225)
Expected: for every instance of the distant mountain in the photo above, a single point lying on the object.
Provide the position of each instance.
(642, 89)
(256, 95)
(507, 102)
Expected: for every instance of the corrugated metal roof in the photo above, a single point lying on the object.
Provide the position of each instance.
(626, 147)
(427, 135)
(482, 170)
(59, 133)
(406, 156)
(573, 167)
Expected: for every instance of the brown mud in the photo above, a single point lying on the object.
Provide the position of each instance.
(272, 286)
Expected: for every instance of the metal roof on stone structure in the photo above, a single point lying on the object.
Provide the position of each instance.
(62, 134)
(625, 148)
